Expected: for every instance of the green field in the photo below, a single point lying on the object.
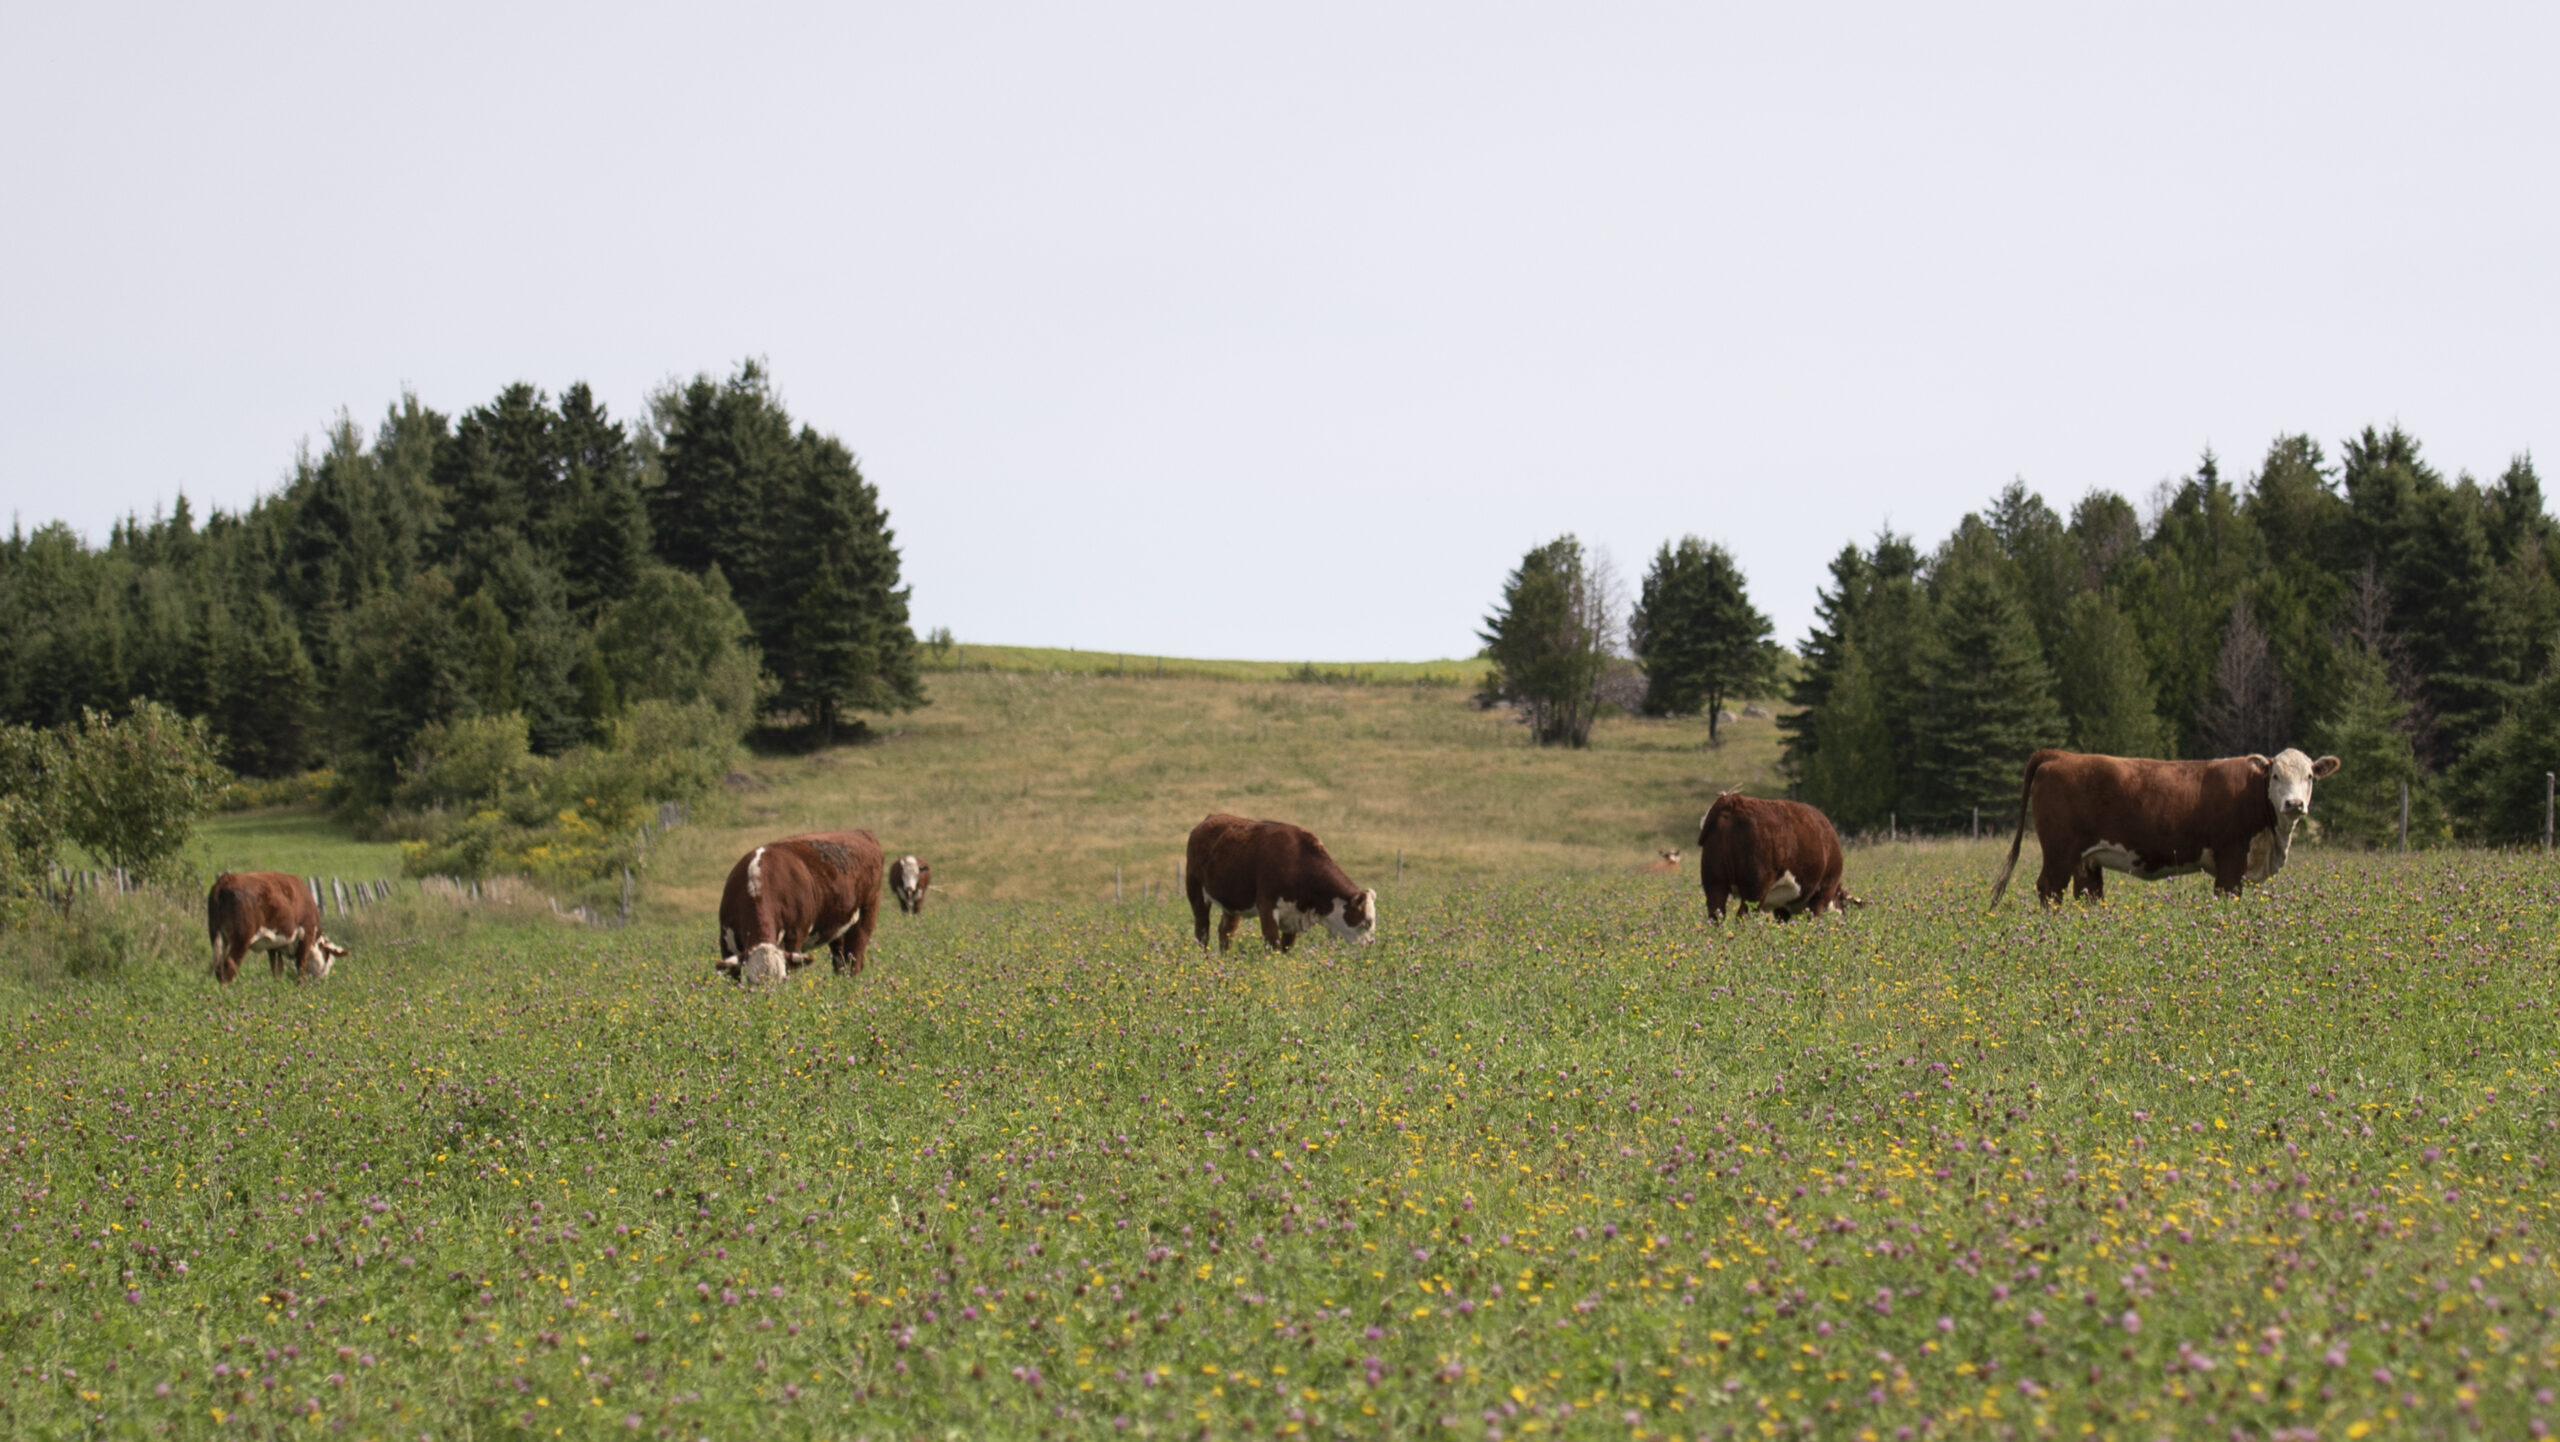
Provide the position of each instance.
(301, 840)
(1466, 671)
(1551, 1157)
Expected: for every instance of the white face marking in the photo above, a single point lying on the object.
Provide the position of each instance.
(764, 965)
(755, 873)
(907, 875)
(1783, 891)
(2289, 777)
(1336, 918)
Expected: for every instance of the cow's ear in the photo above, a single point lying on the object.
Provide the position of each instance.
(2259, 763)
(2324, 768)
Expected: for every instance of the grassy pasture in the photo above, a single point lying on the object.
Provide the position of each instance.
(1022, 786)
(1466, 671)
(1551, 1158)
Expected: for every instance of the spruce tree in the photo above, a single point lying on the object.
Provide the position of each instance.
(2499, 785)
(2366, 731)
(1988, 700)
(1822, 653)
(1549, 642)
(1851, 772)
(2104, 685)
(1696, 633)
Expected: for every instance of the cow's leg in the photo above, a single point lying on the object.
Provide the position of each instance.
(1227, 925)
(1715, 903)
(862, 936)
(226, 959)
(1288, 939)
(2090, 884)
(2060, 864)
(2230, 869)
(1199, 910)
(1271, 932)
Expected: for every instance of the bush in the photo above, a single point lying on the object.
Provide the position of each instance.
(103, 934)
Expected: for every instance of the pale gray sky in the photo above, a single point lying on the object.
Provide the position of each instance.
(1283, 331)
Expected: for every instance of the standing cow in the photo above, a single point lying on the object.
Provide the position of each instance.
(271, 912)
(2150, 819)
(789, 895)
(1277, 871)
(1782, 856)
(908, 879)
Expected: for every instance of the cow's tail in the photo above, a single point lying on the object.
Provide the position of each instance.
(2026, 789)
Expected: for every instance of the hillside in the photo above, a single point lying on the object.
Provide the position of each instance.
(1025, 785)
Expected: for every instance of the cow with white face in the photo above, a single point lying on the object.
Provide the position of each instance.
(908, 879)
(1277, 871)
(2153, 819)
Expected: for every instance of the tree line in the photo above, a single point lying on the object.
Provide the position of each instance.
(535, 558)
(2365, 607)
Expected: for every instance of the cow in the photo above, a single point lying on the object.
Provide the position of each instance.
(2152, 819)
(1782, 856)
(1279, 872)
(795, 893)
(908, 880)
(271, 912)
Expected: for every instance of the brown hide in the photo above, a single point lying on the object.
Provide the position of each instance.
(2155, 818)
(1750, 848)
(271, 912)
(802, 890)
(1277, 871)
(910, 897)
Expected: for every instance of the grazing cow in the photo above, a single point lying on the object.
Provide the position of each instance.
(2094, 814)
(271, 912)
(1279, 872)
(1781, 856)
(800, 891)
(908, 879)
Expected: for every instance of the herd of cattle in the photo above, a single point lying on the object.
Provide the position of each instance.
(2149, 819)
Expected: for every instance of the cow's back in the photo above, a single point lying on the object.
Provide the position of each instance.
(1746, 843)
(1225, 855)
(2145, 805)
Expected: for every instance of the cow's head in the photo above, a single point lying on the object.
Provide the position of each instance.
(1353, 918)
(908, 878)
(764, 964)
(323, 957)
(2289, 776)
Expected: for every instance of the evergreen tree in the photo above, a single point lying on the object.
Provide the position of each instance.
(678, 639)
(720, 447)
(2499, 786)
(2180, 590)
(2366, 732)
(1549, 641)
(2104, 688)
(1696, 633)
(405, 665)
(2431, 542)
(1823, 651)
(837, 637)
(2044, 564)
(1850, 772)
(261, 702)
(2107, 533)
(606, 542)
(1988, 700)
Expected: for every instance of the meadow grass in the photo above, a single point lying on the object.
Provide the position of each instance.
(1036, 786)
(1040, 660)
(1553, 1156)
(300, 840)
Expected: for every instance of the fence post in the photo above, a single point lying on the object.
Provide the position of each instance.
(626, 896)
(2548, 785)
(2404, 818)
(1115, 886)
(1977, 823)
(1892, 826)
(1399, 867)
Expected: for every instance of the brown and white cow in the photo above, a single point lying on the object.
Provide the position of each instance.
(790, 895)
(1782, 856)
(271, 912)
(1277, 871)
(908, 879)
(2151, 819)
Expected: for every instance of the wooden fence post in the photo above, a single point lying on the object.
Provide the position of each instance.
(2549, 779)
(1115, 886)
(2404, 818)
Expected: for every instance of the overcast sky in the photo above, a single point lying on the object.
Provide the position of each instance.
(1282, 331)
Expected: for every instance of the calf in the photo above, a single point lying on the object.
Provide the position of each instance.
(1782, 856)
(2150, 819)
(1279, 872)
(799, 891)
(271, 912)
(908, 879)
